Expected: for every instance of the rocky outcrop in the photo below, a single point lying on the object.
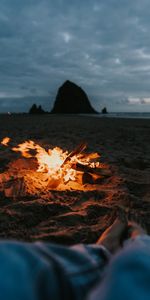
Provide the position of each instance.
(36, 109)
(104, 110)
(71, 99)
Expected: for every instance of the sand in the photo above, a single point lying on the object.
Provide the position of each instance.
(70, 216)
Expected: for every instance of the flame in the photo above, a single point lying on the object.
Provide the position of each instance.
(58, 164)
(5, 141)
(48, 161)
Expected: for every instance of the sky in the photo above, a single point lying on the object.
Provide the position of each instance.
(102, 46)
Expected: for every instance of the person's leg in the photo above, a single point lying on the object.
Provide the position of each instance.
(47, 271)
(128, 273)
(112, 236)
(83, 265)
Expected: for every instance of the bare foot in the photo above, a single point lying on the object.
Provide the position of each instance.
(112, 236)
(134, 230)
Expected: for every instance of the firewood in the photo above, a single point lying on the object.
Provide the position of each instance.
(90, 156)
(97, 171)
(87, 178)
(53, 183)
(76, 151)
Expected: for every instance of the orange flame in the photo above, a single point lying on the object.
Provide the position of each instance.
(55, 161)
(5, 141)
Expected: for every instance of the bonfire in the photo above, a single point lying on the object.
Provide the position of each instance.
(40, 170)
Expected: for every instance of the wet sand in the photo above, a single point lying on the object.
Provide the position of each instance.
(69, 217)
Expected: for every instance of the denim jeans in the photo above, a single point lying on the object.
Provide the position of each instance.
(128, 273)
(47, 271)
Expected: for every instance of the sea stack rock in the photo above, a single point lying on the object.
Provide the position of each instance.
(71, 99)
(104, 110)
(36, 109)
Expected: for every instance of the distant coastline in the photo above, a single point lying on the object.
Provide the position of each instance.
(122, 115)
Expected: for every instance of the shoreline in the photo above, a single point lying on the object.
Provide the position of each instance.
(110, 115)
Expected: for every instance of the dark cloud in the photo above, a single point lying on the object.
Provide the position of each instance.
(101, 45)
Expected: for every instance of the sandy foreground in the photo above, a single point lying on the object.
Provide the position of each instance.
(71, 216)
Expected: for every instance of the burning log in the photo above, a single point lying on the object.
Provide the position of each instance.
(80, 148)
(87, 178)
(53, 183)
(96, 171)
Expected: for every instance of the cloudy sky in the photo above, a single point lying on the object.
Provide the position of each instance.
(103, 46)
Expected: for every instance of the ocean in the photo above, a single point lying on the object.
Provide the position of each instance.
(126, 115)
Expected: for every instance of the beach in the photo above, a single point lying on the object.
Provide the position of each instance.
(74, 216)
